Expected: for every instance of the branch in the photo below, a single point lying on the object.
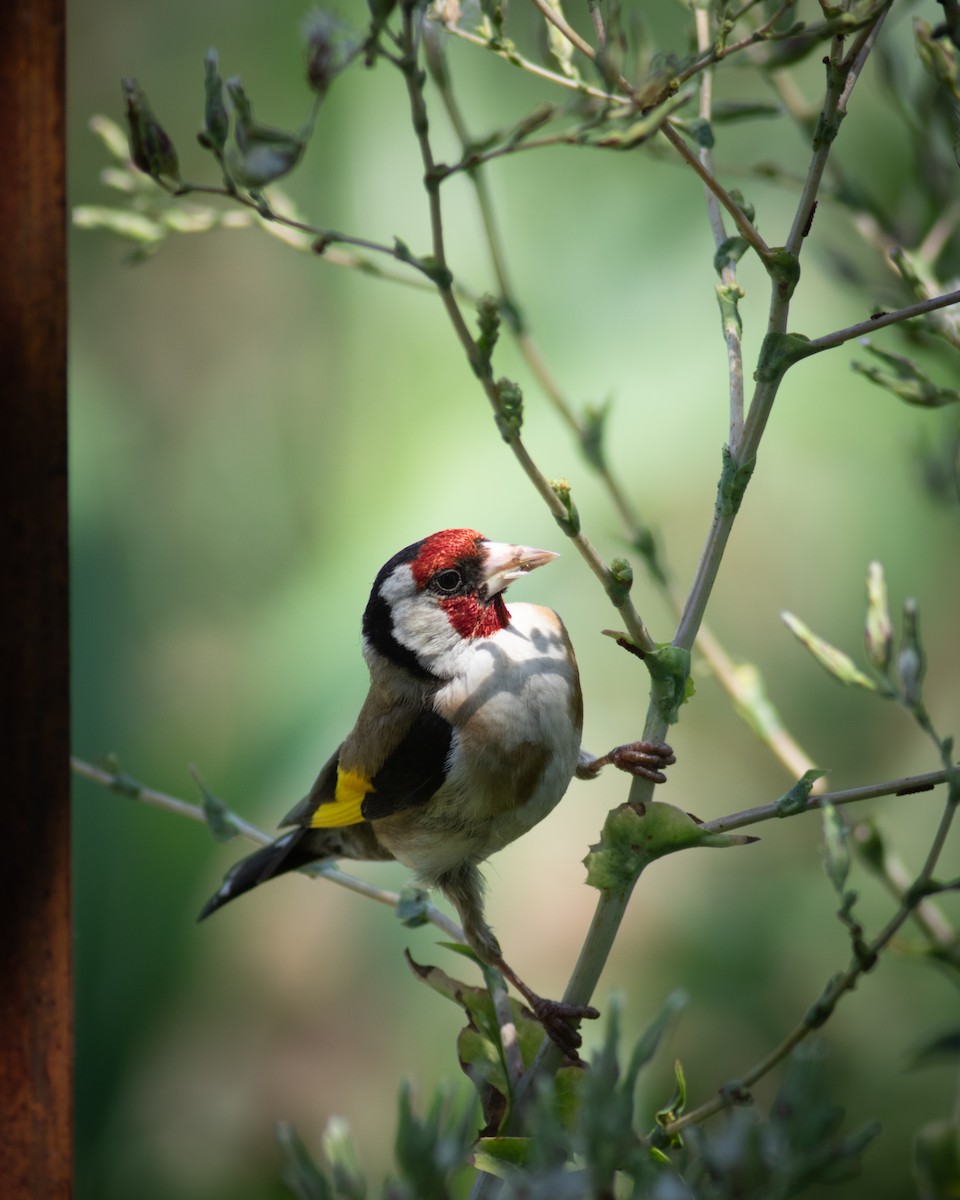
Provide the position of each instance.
(409, 66)
(831, 340)
(866, 956)
(746, 227)
(741, 683)
(516, 59)
(906, 786)
(124, 785)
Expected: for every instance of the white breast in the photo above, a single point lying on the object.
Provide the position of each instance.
(516, 712)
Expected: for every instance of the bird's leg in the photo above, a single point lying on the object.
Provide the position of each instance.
(647, 759)
(463, 887)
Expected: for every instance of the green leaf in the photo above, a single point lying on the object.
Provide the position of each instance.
(560, 46)
(492, 1154)
(734, 477)
(835, 848)
(262, 154)
(592, 430)
(619, 581)
(479, 1044)
(676, 1104)
(911, 660)
(631, 840)
(151, 149)
(795, 800)
(220, 820)
(509, 413)
(299, 1172)
(570, 524)
(133, 226)
(938, 56)
(728, 254)
(904, 379)
(341, 1154)
(651, 1037)
(729, 296)
(112, 136)
(944, 1048)
(838, 664)
(779, 352)
(488, 319)
(753, 704)
(878, 629)
(733, 110)
(413, 907)
(671, 685)
(216, 123)
(936, 1160)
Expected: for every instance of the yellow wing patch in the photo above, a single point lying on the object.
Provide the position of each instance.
(344, 809)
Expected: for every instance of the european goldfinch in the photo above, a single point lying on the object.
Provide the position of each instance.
(468, 737)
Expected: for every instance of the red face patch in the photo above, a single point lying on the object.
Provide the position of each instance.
(471, 619)
(441, 550)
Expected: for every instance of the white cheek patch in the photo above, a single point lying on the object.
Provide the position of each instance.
(419, 623)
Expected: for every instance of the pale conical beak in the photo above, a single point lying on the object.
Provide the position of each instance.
(503, 564)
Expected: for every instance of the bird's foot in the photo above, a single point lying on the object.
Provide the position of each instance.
(558, 1018)
(560, 1022)
(647, 759)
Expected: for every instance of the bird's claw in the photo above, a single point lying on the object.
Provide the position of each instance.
(559, 1022)
(646, 759)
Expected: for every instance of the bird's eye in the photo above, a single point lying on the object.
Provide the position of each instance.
(448, 581)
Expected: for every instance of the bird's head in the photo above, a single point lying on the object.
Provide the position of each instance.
(439, 593)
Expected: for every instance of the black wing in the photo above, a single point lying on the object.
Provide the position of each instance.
(414, 771)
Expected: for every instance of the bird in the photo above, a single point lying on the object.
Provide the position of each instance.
(468, 737)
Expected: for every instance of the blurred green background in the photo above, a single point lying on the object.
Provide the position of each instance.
(254, 432)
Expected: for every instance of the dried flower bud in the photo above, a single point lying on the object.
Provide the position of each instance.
(878, 631)
(151, 149)
(328, 49)
(911, 662)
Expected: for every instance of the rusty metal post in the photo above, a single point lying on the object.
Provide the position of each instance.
(35, 993)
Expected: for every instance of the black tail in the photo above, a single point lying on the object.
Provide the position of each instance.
(287, 853)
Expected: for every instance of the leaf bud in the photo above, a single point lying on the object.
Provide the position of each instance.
(570, 522)
(151, 149)
(327, 50)
(509, 413)
(216, 123)
(878, 630)
(911, 662)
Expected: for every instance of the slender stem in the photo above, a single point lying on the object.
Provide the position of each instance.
(610, 909)
(414, 83)
(557, 20)
(728, 272)
(865, 958)
(746, 227)
(740, 684)
(907, 785)
(128, 787)
(842, 76)
(517, 60)
(748, 230)
(830, 340)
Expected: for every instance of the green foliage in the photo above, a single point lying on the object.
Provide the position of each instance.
(566, 1132)
(596, 1148)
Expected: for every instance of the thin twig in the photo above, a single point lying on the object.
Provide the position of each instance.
(743, 223)
(728, 271)
(830, 340)
(738, 682)
(125, 786)
(516, 59)
(414, 82)
(907, 785)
